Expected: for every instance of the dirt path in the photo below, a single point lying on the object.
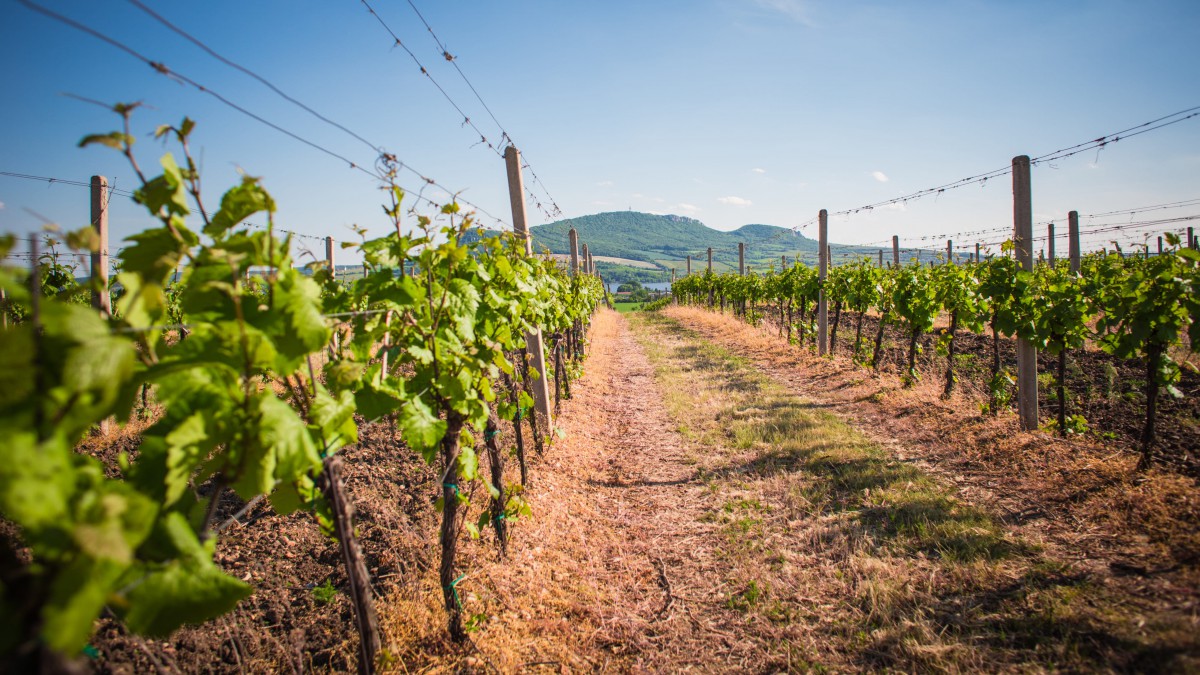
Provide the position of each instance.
(617, 568)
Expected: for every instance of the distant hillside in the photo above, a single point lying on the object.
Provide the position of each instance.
(666, 241)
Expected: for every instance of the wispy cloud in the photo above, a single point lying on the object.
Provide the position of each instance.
(605, 183)
(690, 208)
(796, 10)
(758, 170)
(897, 206)
(880, 176)
(734, 201)
(1, 206)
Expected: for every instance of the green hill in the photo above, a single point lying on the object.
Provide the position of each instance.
(666, 240)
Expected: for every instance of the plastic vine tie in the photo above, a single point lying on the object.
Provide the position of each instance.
(454, 589)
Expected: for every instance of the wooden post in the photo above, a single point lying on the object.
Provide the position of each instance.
(880, 258)
(1050, 246)
(101, 299)
(573, 237)
(976, 251)
(1191, 240)
(516, 197)
(741, 258)
(587, 259)
(949, 252)
(689, 265)
(1073, 240)
(782, 263)
(709, 258)
(329, 254)
(1027, 394)
(1160, 245)
(895, 250)
(672, 276)
(822, 272)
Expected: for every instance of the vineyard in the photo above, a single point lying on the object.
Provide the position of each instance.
(1135, 310)
(333, 382)
(252, 375)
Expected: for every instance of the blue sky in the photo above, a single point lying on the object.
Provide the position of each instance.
(729, 111)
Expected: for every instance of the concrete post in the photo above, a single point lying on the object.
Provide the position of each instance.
(822, 273)
(101, 299)
(1027, 394)
(1073, 240)
(516, 197)
(895, 250)
(573, 237)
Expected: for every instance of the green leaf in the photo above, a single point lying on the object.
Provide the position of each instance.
(114, 139)
(77, 595)
(421, 428)
(239, 203)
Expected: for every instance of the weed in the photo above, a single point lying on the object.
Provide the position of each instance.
(325, 593)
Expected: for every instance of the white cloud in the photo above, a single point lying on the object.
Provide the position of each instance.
(734, 201)
(758, 170)
(880, 176)
(1, 206)
(690, 208)
(605, 183)
(792, 9)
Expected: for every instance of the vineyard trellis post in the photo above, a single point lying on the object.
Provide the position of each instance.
(689, 265)
(709, 258)
(822, 272)
(1160, 245)
(949, 251)
(880, 258)
(1073, 240)
(1027, 402)
(101, 299)
(895, 250)
(516, 196)
(741, 259)
(573, 236)
(586, 255)
(1050, 246)
(976, 251)
(1191, 242)
(329, 254)
(782, 263)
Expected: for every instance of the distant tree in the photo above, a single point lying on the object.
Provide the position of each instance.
(629, 287)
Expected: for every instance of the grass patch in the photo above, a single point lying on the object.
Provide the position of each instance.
(824, 529)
